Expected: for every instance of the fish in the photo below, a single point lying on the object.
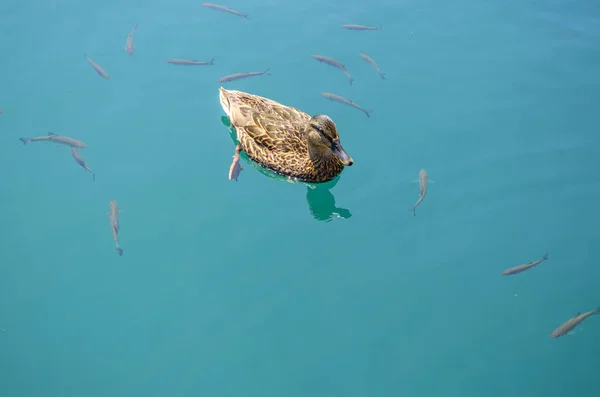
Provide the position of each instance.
(568, 325)
(224, 9)
(521, 268)
(238, 76)
(423, 180)
(340, 99)
(97, 68)
(52, 137)
(176, 61)
(114, 223)
(360, 27)
(129, 47)
(77, 157)
(334, 63)
(235, 168)
(373, 63)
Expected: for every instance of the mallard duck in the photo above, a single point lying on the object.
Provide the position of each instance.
(283, 139)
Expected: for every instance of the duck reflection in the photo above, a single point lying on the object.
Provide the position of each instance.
(321, 202)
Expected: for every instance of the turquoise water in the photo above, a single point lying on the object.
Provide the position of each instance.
(266, 288)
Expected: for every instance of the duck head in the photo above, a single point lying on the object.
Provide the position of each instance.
(323, 136)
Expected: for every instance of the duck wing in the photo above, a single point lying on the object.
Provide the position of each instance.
(270, 131)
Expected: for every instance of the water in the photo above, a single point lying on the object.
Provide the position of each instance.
(266, 288)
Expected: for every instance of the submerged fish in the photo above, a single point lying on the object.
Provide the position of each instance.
(238, 76)
(360, 27)
(235, 168)
(176, 61)
(225, 9)
(373, 63)
(114, 223)
(52, 137)
(521, 268)
(77, 157)
(568, 325)
(129, 47)
(423, 181)
(335, 64)
(97, 68)
(340, 99)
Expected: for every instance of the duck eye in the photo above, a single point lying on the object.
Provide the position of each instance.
(316, 127)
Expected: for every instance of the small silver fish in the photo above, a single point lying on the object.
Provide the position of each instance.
(521, 268)
(114, 223)
(373, 63)
(225, 9)
(52, 137)
(129, 47)
(238, 76)
(360, 27)
(340, 99)
(423, 180)
(79, 160)
(97, 68)
(177, 61)
(568, 325)
(335, 64)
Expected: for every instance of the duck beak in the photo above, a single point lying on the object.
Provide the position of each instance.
(341, 154)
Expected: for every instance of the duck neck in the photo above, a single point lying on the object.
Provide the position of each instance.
(323, 158)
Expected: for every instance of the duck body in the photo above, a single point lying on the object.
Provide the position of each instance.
(284, 139)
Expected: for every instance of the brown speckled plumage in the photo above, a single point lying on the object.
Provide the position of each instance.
(285, 139)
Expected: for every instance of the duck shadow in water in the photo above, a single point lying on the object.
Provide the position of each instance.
(321, 201)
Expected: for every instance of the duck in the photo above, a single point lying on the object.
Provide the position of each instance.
(283, 139)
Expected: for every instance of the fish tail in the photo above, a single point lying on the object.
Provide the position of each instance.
(93, 177)
(24, 140)
(382, 75)
(380, 27)
(350, 79)
(597, 311)
(120, 251)
(135, 27)
(545, 256)
(267, 71)
(368, 113)
(212, 61)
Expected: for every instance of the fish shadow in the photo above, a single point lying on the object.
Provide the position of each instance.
(320, 200)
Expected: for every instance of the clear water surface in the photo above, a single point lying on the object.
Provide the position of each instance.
(266, 288)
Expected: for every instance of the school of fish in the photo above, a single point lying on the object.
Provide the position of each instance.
(423, 179)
